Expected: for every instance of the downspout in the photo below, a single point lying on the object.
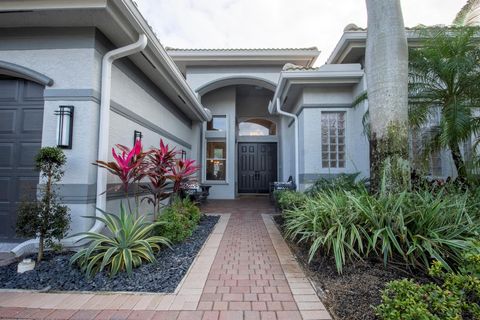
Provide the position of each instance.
(295, 122)
(101, 199)
(107, 62)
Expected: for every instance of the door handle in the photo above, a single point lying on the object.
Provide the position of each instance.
(257, 175)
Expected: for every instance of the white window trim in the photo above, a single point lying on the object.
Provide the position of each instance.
(347, 140)
(215, 135)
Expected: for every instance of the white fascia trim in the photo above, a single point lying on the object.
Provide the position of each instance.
(358, 39)
(288, 78)
(16, 5)
(309, 56)
(344, 42)
(177, 80)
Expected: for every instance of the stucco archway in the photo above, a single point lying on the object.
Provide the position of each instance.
(18, 71)
(235, 80)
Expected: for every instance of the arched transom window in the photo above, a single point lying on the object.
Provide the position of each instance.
(257, 127)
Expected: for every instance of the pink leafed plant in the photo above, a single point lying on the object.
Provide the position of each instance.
(158, 166)
(181, 172)
(128, 166)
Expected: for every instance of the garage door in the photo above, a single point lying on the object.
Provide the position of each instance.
(21, 118)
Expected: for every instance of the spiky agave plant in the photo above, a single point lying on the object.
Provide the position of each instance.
(126, 246)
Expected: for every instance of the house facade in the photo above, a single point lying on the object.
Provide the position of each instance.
(259, 98)
(249, 117)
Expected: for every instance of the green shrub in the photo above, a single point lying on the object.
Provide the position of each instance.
(175, 227)
(411, 227)
(404, 299)
(419, 226)
(288, 200)
(344, 181)
(327, 223)
(178, 220)
(457, 296)
(128, 243)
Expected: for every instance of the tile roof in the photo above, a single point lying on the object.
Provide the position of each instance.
(240, 49)
(294, 67)
(353, 27)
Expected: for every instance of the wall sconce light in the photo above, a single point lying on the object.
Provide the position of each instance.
(137, 135)
(184, 155)
(65, 127)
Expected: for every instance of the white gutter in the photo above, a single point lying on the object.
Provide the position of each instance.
(176, 78)
(295, 122)
(101, 202)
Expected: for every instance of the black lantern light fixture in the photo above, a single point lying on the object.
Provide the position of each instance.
(137, 135)
(184, 155)
(65, 127)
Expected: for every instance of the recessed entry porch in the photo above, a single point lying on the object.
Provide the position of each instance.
(241, 143)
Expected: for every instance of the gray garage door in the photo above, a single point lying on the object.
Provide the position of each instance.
(21, 118)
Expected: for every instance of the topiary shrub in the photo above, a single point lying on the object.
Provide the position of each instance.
(45, 218)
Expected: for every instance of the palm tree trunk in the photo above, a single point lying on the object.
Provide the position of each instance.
(386, 67)
(459, 163)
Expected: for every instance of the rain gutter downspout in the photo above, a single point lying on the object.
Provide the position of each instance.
(101, 199)
(295, 122)
(107, 62)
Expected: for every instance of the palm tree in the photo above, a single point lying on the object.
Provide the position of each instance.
(469, 15)
(444, 78)
(386, 67)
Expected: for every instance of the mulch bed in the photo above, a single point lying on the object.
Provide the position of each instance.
(55, 273)
(352, 294)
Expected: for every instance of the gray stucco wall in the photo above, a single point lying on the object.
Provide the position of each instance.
(222, 102)
(72, 58)
(67, 57)
(331, 99)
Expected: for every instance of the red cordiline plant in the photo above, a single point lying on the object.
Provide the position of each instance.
(159, 165)
(129, 165)
(181, 172)
(159, 162)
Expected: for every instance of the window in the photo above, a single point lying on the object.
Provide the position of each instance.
(216, 160)
(257, 127)
(333, 139)
(218, 123)
(423, 159)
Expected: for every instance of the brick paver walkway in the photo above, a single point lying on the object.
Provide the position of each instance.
(245, 271)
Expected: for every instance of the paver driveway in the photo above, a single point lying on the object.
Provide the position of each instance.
(244, 271)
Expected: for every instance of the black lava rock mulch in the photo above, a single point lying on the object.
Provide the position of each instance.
(352, 294)
(55, 272)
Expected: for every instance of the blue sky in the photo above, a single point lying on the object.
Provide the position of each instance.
(274, 23)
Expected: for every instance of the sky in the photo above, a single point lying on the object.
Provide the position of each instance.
(274, 23)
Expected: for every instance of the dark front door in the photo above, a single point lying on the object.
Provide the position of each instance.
(21, 120)
(257, 167)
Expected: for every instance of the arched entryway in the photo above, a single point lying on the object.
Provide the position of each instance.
(21, 121)
(241, 141)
